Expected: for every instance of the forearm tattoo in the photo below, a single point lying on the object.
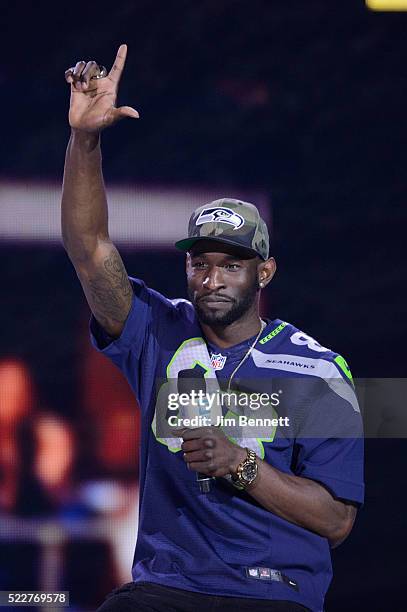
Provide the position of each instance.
(109, 291)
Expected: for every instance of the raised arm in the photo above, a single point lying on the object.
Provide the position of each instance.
(84, 206)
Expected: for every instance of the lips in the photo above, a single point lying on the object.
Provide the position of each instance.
(214, 299)
(214, 302)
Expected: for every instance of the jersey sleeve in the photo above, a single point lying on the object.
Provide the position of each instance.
(330, 445)
(137, 346)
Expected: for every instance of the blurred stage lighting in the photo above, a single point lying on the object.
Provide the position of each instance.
(387, 5)
(140, 216)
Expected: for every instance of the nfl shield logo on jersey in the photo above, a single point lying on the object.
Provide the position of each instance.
(218, 361)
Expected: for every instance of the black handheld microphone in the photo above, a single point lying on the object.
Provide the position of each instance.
(193, 380)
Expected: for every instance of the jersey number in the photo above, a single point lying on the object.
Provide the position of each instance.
(301, 339)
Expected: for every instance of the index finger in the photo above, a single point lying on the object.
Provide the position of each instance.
(190, 433)
(117, 68)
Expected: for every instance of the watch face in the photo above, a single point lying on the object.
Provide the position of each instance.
(249, 472)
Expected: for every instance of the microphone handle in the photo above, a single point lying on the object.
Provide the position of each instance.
(204, 482)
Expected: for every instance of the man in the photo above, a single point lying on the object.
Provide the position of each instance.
(253, 533)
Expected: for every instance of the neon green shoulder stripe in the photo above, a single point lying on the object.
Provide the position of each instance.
(273, 332)
(341, 363)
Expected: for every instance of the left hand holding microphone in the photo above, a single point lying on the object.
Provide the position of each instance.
(207, 450)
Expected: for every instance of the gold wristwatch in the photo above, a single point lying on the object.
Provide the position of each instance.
(246, 471)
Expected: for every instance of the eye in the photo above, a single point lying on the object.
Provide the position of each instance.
(232, 267)
(199, 264)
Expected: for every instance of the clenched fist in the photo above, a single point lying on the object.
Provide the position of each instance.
(92, 107)
(207, 450)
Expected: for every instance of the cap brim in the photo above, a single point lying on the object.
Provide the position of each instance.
(187, 243)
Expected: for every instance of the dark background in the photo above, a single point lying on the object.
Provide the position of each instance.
(303, 100)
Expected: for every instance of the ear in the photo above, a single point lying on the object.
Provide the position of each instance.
(266, 271)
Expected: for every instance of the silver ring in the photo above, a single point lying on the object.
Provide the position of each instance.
(102, 72)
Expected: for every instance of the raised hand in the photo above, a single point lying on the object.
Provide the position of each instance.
(92, 107)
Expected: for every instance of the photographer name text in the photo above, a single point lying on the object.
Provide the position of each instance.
(222, 421)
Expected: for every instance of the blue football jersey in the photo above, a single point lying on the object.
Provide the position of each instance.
(224, 542)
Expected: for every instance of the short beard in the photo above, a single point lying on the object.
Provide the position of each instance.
(239, 308)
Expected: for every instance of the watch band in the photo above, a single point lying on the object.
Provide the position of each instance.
(246, 471)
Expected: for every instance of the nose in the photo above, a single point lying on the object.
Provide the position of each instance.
(213, 279)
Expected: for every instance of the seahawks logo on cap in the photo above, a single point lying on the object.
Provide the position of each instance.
(220, 215)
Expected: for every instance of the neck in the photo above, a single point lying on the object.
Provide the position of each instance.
(225, 336)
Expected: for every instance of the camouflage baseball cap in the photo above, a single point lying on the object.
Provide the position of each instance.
(230, 221)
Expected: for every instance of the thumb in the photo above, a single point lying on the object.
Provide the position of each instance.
(126, 111)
